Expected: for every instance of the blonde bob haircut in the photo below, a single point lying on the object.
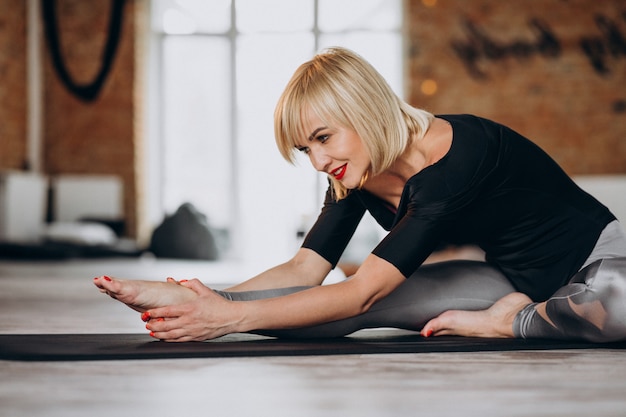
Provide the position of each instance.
(343, 89)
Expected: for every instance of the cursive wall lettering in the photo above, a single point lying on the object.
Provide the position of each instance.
(610, 43)
(480, 48)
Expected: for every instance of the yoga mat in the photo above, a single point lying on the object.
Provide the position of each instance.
(82, 347)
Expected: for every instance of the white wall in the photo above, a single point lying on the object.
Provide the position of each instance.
(609, 189)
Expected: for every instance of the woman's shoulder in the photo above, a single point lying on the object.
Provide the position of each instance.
(459, 117)
(472, 154)
(469, 121)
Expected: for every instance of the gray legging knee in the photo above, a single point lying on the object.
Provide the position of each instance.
(591, 307)
(431, 290)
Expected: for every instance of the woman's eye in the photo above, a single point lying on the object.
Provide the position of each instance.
(323, 138)
(303, 149)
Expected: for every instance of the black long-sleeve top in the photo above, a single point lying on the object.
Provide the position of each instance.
(494, 189)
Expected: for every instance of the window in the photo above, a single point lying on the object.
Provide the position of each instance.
(219, 68)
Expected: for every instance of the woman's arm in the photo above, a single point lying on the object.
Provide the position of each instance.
(211, 316)
(374, 280)
(306, 268)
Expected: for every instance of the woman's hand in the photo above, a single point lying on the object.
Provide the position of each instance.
(207, 317)
(210, 315)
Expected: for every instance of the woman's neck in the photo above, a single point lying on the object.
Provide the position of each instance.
(420, 154)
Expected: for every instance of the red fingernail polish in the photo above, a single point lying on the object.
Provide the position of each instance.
(145, 316)
(429, 333)
(107, 278)
(183, 280)
(152, 334)
(160, 319)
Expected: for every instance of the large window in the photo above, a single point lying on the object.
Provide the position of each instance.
(219, 68)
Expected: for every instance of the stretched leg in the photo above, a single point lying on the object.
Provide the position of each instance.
(433, 289)
(591, 307)
(495, 321)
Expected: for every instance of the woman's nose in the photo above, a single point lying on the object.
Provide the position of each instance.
(319, 160)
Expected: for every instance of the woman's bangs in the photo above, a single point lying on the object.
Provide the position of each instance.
(290, 131)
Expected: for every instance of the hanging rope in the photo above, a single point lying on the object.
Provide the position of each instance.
(86, 92)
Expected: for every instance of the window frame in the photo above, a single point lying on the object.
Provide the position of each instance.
(156, 210)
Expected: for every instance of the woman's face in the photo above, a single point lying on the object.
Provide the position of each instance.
(334, 150)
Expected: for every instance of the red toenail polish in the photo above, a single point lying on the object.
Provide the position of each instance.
(145, 316)
(106, 278)
(160, 319)
(429, 333)
(184, 280)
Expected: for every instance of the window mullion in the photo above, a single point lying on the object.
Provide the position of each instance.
(237, 234)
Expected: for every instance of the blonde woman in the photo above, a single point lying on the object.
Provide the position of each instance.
(555, 257)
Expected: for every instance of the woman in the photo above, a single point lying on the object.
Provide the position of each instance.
(555, 257)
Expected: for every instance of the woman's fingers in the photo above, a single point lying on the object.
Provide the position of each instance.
(197, 286)
(176, 330)
(198, 320)
(167, 312)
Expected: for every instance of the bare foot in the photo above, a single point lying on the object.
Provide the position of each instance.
(496, 321)
(144, 295)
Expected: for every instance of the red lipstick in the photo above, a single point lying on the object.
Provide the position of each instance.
(339, 172)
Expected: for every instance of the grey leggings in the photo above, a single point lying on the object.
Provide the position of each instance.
(592, 306)
(433, 289)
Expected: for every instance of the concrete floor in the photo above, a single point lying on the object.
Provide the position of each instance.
(54, 297)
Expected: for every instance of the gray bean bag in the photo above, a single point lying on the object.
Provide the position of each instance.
(186, 235)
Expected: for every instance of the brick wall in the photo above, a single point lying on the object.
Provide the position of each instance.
(554, 70)
(102, 136)
(13, 84)
(98, 137)
(93, 137)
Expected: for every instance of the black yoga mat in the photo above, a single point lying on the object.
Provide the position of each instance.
(79, 347)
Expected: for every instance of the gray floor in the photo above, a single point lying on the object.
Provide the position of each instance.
(60, 298)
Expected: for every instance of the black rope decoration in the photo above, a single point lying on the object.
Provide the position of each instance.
(89, 91)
